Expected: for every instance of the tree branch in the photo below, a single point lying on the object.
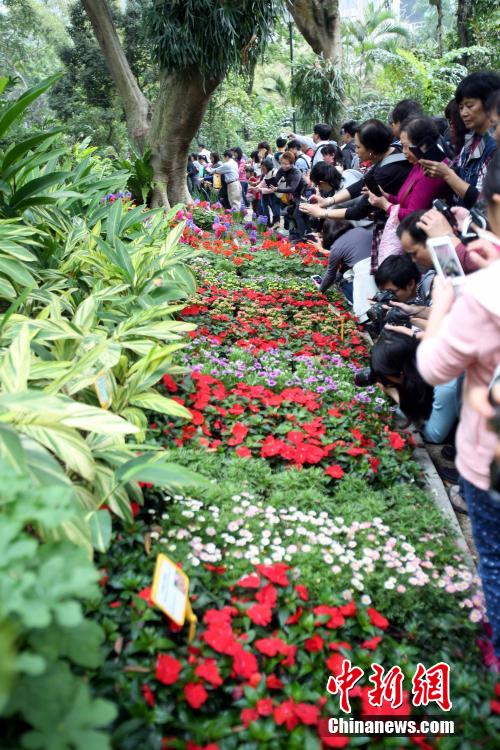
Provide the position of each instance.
(319, 23)
(135, 104)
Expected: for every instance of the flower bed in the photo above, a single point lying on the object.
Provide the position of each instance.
(308, 472)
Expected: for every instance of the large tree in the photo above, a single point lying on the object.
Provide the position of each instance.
(319, 23)
(195, 43)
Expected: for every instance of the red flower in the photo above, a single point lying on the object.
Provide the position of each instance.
(335, 471)
(495, 706)
(148, 694)
(221, 639)
(146, 595)
(195, 694)
(337, 645)
(219, 616)
(293, 619)
(337, 740)
(285, 714)
(169, 384)
(249, 582)
(244, 664)
(374, 464)
(349, 609)
(314, 644)
(215, 568)
(334, 663)
(275, 573)
(274, 683)
(265, 707)
(239, 433)
(208, 671)
(289, 661)
(267, 595)
(372, 644)
(260, 614)
(306, 713)
(396, 441)
(243, 452)
(377, 619)
(271, 646)
(248, 715)
(167, 669)
(302, 592)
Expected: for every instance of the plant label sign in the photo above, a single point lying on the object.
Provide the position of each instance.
(170, 590)
(104, 389)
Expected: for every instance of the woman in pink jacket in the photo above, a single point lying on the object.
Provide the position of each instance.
(463, 334)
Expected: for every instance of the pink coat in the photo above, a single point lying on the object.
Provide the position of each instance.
(469, 340)
(418, 191)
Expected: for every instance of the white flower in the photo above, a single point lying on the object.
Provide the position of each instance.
(210, 531)
(233, 526)
(366, 600)
(195, 562)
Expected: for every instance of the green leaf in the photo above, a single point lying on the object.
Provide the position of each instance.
(160, 472)
(155, 402)
(67, 444)
(12, 450)
(100, 526)
(15, 366)
(37, 186)
(9, 115)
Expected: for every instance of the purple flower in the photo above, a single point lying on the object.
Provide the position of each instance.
(262, 220)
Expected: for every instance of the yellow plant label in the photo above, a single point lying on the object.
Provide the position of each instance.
(170, 590)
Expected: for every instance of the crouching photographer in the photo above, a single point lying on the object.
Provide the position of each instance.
(397, 278)
(433, 410)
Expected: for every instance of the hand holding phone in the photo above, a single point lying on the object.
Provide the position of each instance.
(372, 185)
(445, 259)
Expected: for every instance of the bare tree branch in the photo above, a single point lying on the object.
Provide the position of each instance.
(319, 23)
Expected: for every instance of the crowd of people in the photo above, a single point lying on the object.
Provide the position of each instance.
(408, 215)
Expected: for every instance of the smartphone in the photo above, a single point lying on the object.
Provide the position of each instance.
(372, 185)
(317, 279)
(445, 259)
(432, 152)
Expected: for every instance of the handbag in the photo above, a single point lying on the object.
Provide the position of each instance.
(217, 181)
(390, 244)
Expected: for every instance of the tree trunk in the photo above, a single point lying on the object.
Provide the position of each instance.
(319, 23)
(463, 17)
(177, 115)
(439, 11)
(135, 104)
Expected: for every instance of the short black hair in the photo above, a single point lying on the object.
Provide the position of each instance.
(409, 224)
(294, 144)
(351, 127)
(406, 108)
(419, 129)
(268, 163)
(322, 172)
(263, 144)
(331, 150)
(491, 183)
(478, 85)
(332, 230)
(255, 156)
(280, 142)
(398, 269)
(201, 145)
(229, 152)
(375, 136)
(323, 130)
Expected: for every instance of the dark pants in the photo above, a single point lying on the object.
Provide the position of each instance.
(300, 223)
(484, 514)
(271, 206)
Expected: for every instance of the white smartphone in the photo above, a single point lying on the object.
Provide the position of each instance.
(445, 259)
(317, 279)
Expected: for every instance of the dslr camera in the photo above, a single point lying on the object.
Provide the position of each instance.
(379, 316)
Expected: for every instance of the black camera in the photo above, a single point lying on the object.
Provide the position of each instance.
(444, 209)
(396, 317)
(376, 313)
(365, 377)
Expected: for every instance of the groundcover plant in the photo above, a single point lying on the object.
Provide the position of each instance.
(313, 542)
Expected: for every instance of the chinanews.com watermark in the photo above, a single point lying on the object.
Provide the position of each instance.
(386, 725)
(386, 708)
